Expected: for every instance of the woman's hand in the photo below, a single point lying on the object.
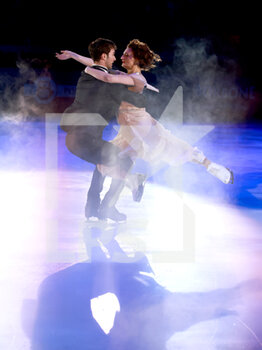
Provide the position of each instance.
(64, 55)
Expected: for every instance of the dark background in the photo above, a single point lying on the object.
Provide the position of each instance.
(36, 30)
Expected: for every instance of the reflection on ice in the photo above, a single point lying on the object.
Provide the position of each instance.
(104, 308)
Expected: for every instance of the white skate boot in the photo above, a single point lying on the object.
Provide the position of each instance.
(223, 174)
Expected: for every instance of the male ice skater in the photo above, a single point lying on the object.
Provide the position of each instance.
(96, 103)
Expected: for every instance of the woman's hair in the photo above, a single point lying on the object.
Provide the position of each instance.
(99, 46)
(145, 56)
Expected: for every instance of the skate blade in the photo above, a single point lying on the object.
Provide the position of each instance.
(231, 180)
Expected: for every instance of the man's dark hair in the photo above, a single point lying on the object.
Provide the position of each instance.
(99, 46)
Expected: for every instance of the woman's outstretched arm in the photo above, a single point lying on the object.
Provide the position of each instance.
(65, 55)
(126, 79)
(131, 80)
(150, 87)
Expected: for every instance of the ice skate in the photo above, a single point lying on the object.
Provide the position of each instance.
(223, 174)
(111, 213)
(136, 183)
(137, 193)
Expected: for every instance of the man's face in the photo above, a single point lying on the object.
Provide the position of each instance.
(110, 59)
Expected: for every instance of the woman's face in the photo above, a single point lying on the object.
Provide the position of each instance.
(128, 60)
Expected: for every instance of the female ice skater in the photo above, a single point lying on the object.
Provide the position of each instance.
(140, 135)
